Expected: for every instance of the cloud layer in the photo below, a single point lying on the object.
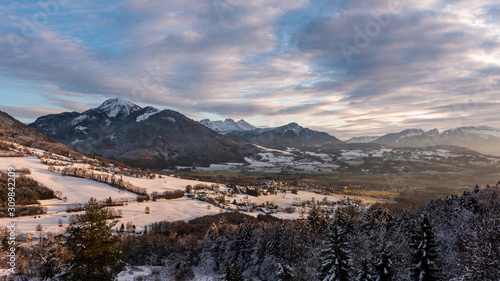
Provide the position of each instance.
(350, 68)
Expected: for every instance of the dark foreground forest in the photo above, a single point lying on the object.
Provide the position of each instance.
(455, 238)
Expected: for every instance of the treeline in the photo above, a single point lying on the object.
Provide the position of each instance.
(168, 194)
(104, 178)
(27, 190)
(23, 211)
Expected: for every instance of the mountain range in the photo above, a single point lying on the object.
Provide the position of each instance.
(290, 135)
(121, 130)
(149, 137)
(227, 126)
(482, 139)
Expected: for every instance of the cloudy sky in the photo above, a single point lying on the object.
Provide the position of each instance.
(350, 68)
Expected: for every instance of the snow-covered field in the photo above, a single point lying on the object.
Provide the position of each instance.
(170, 210)
(287, 199)
(79, 190)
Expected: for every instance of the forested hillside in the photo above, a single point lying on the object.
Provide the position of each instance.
(453, 238)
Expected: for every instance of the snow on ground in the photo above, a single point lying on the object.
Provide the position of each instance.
(276, 159)
(132, 272)
(79, 119)
(221, 167)
(170, 210)
(76, 190)
(49, 222)
(162, 184)
(79, 190)
(285, 200)
(258, 164)
(353, 154)
(274, 150)
(323, 156)
(152, 111)
(285, 216)
(380, 152)
(165, 183)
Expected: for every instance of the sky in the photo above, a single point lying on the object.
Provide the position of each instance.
(349, 68)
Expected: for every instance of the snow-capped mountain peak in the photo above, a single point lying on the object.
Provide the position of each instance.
(228, 125)
(244, 125)
(113, 107)
(293, 127)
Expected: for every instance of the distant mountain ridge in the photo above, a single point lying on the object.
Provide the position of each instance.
(365, 139)
(227, 126)
(290, 135)
(121, 130)
(482, 139)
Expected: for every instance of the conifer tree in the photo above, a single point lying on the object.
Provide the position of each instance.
(314, 217)
(273, 246)
(231, 272)
(383, 264)
(212, 232)
(424, 251)
(365, 273)
(336, 263)
(93, 246)
(241, 247)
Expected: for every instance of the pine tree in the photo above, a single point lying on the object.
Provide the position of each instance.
(386, 217)
(336, 266)
(212, 232)
(241, 247)
(314, 217)
(424, 251)
(284, 272)
(231, 272)
(273, 246)
(383, 265)
(54, 258)
(92, 244)
(365, 273)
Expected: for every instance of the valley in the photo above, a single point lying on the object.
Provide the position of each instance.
(76, 191)
(176, 181)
